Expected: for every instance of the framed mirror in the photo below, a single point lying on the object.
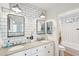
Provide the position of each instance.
(16, 25)
(49, 27)
(40, 27)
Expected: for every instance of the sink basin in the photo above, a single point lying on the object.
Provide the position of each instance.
(16, 48)
(44, 41)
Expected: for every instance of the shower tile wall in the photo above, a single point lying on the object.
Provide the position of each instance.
(31, 14)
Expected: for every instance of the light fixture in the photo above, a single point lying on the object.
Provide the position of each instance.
(42, 15)
(16, 8)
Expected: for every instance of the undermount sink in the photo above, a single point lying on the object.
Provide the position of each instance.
(44, 41)
(16, 48)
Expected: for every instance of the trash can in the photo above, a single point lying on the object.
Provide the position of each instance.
(61, 50)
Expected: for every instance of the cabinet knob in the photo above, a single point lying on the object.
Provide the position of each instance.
(36, 49)
(45, 47)
(25, 54)
(36, 55)
(48, 51)
(77, 28)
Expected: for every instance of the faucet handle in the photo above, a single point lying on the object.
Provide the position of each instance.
(12, 44)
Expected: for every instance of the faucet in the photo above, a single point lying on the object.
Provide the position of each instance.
(30, 37)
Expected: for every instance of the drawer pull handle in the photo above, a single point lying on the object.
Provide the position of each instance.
(48, 51)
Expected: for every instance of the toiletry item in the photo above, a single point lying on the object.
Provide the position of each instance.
(7, 43)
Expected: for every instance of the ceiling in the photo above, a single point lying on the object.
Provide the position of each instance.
(49, 6)
(54, 9)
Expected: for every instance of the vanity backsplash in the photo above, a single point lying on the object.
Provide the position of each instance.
(31, 14)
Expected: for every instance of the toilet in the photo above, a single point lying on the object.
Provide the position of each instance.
(61, 50)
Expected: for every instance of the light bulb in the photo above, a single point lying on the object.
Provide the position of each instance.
(16, 9)
(42, 16)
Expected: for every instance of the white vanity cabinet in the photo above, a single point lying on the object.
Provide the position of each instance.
(43, 50)
(50, 49)
(46, 50)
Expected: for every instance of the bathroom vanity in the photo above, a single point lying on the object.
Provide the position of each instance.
(38, 48)
(14, 45)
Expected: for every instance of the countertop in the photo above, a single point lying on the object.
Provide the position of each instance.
(6, 52)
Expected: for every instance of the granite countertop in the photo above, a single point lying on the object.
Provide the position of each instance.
(6, 52)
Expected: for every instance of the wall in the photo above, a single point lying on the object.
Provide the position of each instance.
(2, 5)
(31, 14)
(6, 5)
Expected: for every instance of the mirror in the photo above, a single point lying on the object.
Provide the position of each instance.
(40, 26)
(49, 28)
(15, 25)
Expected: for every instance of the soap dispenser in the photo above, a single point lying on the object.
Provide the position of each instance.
(7, 44)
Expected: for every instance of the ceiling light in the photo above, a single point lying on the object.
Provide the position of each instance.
(42, 15)
(16, 8)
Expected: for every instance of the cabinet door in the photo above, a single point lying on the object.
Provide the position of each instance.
(43, 51)
(18, 54)
(47, 50)
(50, 49)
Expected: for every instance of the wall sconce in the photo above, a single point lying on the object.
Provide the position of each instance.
(42, 15)
(16, 8)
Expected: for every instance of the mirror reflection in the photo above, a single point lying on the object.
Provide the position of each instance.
(40, 26)
(49, 28)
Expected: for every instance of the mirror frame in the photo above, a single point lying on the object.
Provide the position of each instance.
(38, 32)
(8, 26)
